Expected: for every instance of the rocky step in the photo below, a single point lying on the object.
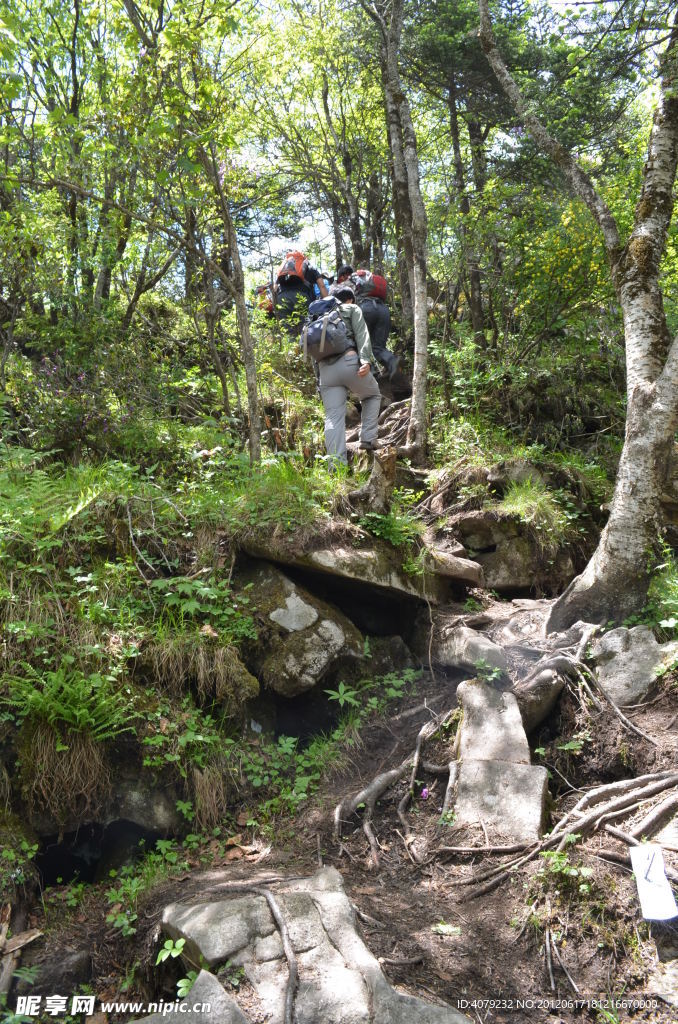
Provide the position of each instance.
(497, 789)
(340, 981)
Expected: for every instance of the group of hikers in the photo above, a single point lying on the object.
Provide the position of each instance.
(343, 324)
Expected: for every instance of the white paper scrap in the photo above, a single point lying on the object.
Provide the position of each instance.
(656, 898)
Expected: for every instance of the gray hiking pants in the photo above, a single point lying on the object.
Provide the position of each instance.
(336, 380)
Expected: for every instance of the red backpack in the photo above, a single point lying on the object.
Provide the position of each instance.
(370, 285)
(294, 265)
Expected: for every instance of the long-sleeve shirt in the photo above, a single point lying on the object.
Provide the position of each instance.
(352, 316)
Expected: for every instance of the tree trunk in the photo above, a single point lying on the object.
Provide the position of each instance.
(615, 581)
(336, 231)
(235, 286)
(474, 294)
(408, 205)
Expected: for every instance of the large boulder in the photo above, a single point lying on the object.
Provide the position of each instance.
(491, 729)
(138, 796)
(628, 662)
(301, 638)
(340, 981)
(508, 799)
(447, 557)
(508, 555)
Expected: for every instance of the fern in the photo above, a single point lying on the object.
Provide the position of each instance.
(70, 701)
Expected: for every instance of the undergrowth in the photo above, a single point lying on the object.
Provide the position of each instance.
(548, 514)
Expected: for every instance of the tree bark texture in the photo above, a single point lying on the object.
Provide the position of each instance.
(235, 286)
(615, 581)
(474, 293)
(409, 209)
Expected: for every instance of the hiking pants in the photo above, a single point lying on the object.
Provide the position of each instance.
(337, 378)
(378, 320)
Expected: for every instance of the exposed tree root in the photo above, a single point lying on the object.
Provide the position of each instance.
(281, 924)
(379, 785)
(612, 802)
(653, 821)
(572, 666)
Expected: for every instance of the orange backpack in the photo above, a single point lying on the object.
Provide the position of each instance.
(293, 266)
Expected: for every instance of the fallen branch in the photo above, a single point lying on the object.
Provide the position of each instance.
(21, 940)
(517, 848)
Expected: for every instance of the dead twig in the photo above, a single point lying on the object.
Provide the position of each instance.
(517, 848)
(547, 946)
(564, 968)
(402, 962)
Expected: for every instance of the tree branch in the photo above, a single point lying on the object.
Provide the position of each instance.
(579, 181)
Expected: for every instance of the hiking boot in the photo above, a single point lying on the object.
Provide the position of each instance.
(370, 446)
(393, 368)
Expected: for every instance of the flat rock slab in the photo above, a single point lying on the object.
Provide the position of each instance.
(340, 981)
(628, 662)
(464, 647)
(376, 563)
(206, 992)
(492, 727)
(508, 799)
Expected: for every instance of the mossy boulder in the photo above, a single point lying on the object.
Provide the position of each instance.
(301, 638)
(509, 552)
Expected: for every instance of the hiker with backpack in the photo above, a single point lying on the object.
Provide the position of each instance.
(336, 338)
(370, 295)
(294, 289)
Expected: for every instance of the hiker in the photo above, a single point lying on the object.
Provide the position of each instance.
(294, 289)
(350, 371)
(263, 297)
(370, 293)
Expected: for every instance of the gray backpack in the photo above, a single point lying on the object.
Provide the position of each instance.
(325, 334)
